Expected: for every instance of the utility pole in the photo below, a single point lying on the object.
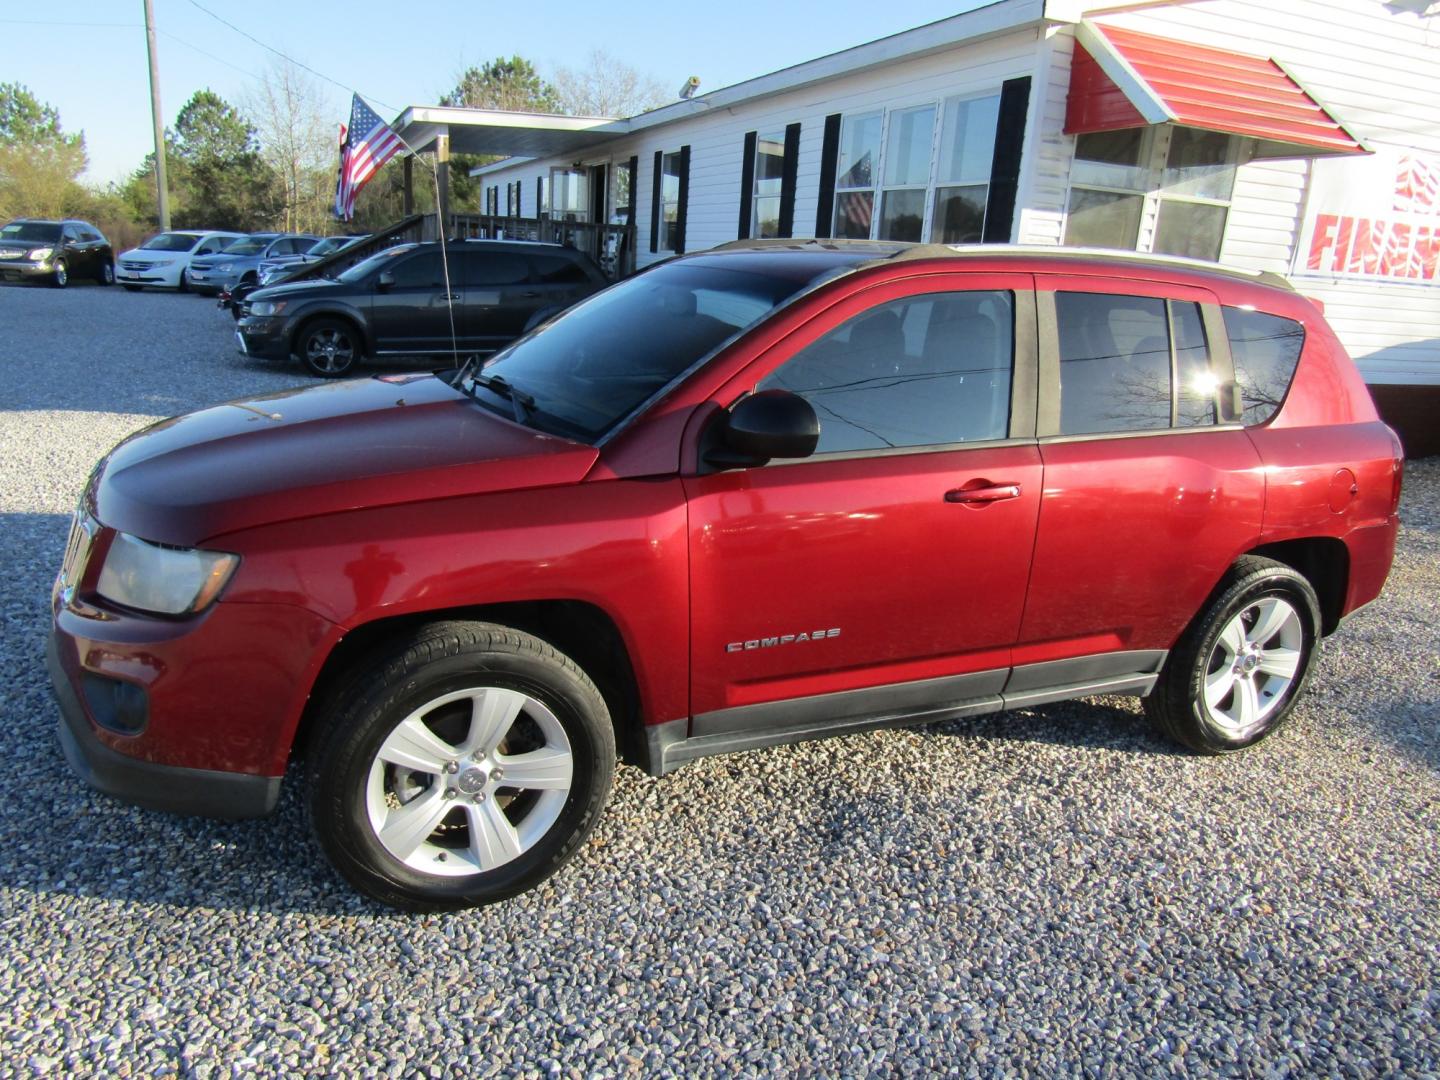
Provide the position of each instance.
(162, 188)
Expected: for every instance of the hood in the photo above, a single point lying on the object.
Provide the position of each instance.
(320, 450)
(295, 289)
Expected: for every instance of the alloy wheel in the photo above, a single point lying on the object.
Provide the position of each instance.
(329, 350)
(1254, 662)
(469, 781)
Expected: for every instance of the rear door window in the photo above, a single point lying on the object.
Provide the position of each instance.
(1195, 380)
(1266, 350)
(1114, 363)
(493, 269)
(929, 370)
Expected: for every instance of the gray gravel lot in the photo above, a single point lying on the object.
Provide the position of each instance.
(1055, 891)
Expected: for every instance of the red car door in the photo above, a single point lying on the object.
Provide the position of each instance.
(899, 552)
(1149, 495)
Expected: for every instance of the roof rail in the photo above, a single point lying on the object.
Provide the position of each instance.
(890, 251)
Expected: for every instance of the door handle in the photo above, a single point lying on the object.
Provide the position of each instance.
(529, 295)
(449, 296)
(978, 493)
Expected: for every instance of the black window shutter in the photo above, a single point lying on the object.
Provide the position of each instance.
(1005, 165)
(655, 203)
(829, 155)
(681, 213)
(747, 185)
(539, 196)
(787, 180)
(634, 166)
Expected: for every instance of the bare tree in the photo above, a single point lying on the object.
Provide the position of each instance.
(606, 87)
(298, 139)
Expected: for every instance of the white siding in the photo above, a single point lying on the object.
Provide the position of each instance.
(716, 140)
(1040, 203)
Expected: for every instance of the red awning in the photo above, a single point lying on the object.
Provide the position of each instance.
(1124, 79)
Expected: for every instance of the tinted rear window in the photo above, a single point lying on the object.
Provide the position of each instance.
(493, 268)
(1266, 349)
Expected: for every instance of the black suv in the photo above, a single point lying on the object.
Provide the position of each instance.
(55, 251)
(396, 303)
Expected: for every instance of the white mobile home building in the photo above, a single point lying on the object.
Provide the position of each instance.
(1298, 136)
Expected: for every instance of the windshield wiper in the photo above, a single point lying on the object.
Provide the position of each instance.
(521, 403)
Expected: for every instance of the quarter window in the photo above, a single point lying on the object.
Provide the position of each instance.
(924, 371)
(1266, 350)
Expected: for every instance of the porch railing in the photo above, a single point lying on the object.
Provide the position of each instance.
(611, 246)
(405, 231)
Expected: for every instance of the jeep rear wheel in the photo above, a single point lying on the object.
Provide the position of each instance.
(467, 768)
(1236, 673)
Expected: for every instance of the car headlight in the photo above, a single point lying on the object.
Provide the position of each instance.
(165, 580)
(37, 254)
(221, 266)
(267, 307)
(162, 262)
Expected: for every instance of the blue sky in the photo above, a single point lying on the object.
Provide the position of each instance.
(398, 53)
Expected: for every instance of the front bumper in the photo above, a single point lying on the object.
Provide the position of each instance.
(211, 282)
(165, 277)
(220, 699)
(172, 788)
(264, 336)
(26, 271)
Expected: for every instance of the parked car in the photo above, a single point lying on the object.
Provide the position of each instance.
(750, 496)
(240, 261)
(395, 302)
(163, 261)
(54, 252)
(270, 269)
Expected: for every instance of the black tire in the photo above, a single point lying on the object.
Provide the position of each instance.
(106, 276)
(133, 288)
(438, 660)
(60, 276)
(1178, 703)
(329, 348)
(184, 284)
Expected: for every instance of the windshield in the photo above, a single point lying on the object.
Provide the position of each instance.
(374, 263)
(43, 231)
(171, 241)
(329, 245)
(591, 368)
(248, 245)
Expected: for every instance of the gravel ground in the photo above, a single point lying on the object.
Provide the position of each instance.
(1056, 891)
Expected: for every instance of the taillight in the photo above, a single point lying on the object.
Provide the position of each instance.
(1397, 475)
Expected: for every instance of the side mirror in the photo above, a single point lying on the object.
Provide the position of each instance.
(770, 424)
(386, 280)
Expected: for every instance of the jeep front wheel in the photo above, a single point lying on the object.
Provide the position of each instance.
(467, 768)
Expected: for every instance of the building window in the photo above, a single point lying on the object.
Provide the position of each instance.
(962, 173)
(569, 194)
(670, 170)
(769, 176)
(1184, 177)
(924, 190)
(620, 194)
(856, 173)
(909, 144)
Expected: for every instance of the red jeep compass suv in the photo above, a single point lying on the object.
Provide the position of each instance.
(770, 492)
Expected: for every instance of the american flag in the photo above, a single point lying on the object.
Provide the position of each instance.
(369, 143)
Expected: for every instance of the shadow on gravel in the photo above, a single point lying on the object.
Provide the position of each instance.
(1091, 725)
